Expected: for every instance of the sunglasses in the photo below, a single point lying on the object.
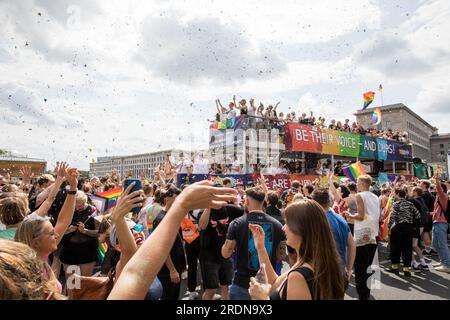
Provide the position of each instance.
(138, 228)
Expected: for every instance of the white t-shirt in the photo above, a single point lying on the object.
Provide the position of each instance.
(182, 165)
(223, 116)
(372, 205)
(235, 164)
(231, 114)
(201, 166)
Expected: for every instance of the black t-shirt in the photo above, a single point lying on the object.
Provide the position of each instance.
(247, 263)
(79, 248)
(177, 251)
(273, 211)
(428, 198)
(214, 236)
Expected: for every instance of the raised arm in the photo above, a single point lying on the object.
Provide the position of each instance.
(275, 108)
(124, 205)
(331, 186)
(44, 194)
(221, 106)
(60, 171)
(258, 236)
(27, 175)
(143, 267)
(66, 214)
(204, 219)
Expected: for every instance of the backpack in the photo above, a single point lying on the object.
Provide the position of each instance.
(189, 229)
(446, 212)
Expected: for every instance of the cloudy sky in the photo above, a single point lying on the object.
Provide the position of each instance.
(82, 79)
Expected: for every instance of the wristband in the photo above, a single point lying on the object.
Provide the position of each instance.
(71, 192)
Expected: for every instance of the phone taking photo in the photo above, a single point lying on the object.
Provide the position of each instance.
(137, 186)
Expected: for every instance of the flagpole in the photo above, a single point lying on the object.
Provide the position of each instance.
(381, 92)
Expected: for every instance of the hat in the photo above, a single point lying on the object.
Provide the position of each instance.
(113, 232)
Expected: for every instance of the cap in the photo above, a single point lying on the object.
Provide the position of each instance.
(113, 232)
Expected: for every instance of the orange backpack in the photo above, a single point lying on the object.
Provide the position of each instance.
(189, 229)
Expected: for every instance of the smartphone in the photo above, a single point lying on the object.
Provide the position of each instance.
(136, 187)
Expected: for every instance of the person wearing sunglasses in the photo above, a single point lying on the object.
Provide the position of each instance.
(143, 267)
(131, 237)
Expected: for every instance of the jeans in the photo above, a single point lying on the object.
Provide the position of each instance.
(363, 260)
(155, 291)
(440, 242)
(239, 293)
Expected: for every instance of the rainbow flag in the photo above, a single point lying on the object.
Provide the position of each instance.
(376, 117)
(384, 230)
(111, 197)
(102, 248)
(222, 125)
(110, 194)
(368, 98)
(354, 171)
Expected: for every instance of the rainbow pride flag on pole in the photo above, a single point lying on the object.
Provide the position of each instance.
(354, 171)
(368, 98)
(377, 117)
(111, 197)
(102, 248)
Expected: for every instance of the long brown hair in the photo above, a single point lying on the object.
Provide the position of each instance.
(307, 219)
(21, 273)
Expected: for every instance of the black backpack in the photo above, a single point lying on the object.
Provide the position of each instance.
(446, 212)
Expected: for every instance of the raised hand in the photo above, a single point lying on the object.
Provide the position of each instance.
(60, 169)
(127, 202)
(258, 235)
(26, 173)
(71, 176)
(203, 195)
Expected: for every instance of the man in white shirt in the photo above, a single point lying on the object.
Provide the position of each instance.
(366, 229)
(183, 164)
(236, 166)
(201, 165)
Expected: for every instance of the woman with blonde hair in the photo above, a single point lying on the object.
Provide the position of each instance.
(39, 233)
(313, 276)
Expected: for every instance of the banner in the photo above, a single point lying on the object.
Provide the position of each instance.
(278, 181)
(300, 137)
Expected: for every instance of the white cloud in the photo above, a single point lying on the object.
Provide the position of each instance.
(116, 105)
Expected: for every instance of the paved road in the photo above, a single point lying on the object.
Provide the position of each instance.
(423, 285)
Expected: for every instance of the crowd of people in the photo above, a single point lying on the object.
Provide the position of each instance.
(308, 242)
(267, 117)
(198, 164)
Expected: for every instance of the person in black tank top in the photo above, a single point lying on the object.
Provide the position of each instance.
(307, 273)
(306, 229)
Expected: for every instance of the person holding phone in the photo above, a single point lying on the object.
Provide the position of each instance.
(79, 244)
